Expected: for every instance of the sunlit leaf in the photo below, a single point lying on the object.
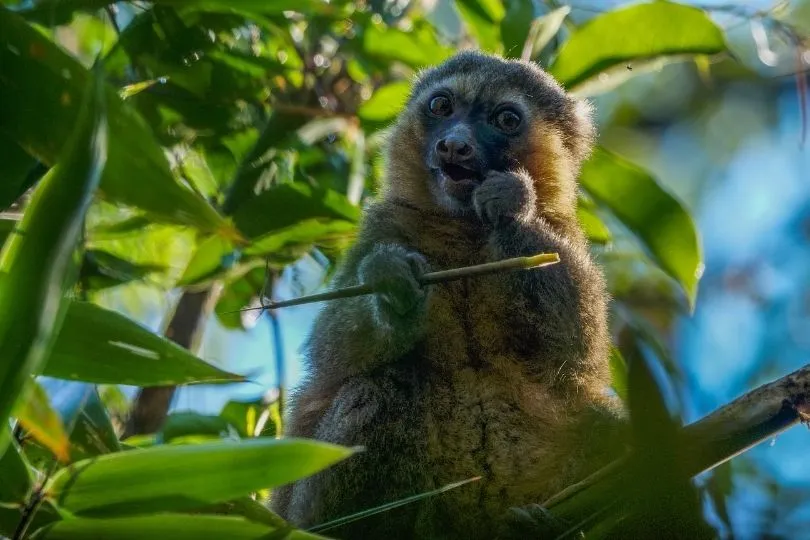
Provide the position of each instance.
(40, 92)
(238, 294)
(417, 48)
(37, 263)
(482, 18)
(101, 270)
(42, 422)
(251, 418)
(595, 229)
(545, 28)
(657, 218)
(102, 346)
(183, 424)
(165, 478)
(634, 35)
(168, 527)
(386, 102)
(618, 373)
(212, 255)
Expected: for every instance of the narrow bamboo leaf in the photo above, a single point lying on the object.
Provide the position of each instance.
(252, 418)
(101, 270)
(101, 346)
(10, 516)
(15, 476)
(318, 231)
(515, 26)
(40, 90)
(247, 508)
(657, 218)
(184, 424)
(633, 35)
(386, 102)
(164, 478)
(287, 204)
(545, 28)
(482, 19)
(158, 527)
(7, 227)
(84, 417)
(42, 422)
(37, 263)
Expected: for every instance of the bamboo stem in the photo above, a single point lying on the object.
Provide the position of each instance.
(518, 263)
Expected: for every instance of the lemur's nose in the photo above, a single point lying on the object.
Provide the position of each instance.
(455, 146)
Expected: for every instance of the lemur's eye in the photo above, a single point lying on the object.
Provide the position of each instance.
(440, 105)
(507, 120)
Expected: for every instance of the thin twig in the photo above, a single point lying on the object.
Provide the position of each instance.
(517, 263)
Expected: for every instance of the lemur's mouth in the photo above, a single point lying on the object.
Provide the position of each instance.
(458, 173)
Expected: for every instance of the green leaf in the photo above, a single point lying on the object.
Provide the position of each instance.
(285, 205)
(545, 28)
(101, 270)
(101, 346)
(237, 295)
(246, 508)
(208, 260)
(42, 422)
(158, 527)
(84, 417)
(37, 263)
(657, 218)
(17, 173)
(252, 418)
(416, 48)
(164, 478)
(10, 517)
(40, 90)
(306, 232)
(618, 373)
(595, 229)
(634, 35)
(16, 476)
(386, 102)
(482, 19)
(515, 26)
(184, 424)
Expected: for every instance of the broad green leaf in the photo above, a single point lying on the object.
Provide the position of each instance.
(416, 48)
(42, 422)
(16, 174)
(167, 527)
(84, 417)
(657, 218)
(101, 346)
(632, 36)
(247, 508)
(595, 229)
(287, 204)
(545, 28)
(6, 228)
(618, 374)
(515, 26)
(305, 232)
(183, 424)
(37, 263)
(482, 18)
(165, 478)
(40, 90)
(15, 476)
(211, 256)
(386, 102)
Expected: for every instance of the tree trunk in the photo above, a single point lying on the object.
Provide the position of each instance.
(152, 404)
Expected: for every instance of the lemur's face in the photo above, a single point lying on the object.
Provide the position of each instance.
(477, 113)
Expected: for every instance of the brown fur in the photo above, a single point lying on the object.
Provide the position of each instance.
(501, 377)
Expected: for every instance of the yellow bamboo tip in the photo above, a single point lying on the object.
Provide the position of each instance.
(542, 259)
